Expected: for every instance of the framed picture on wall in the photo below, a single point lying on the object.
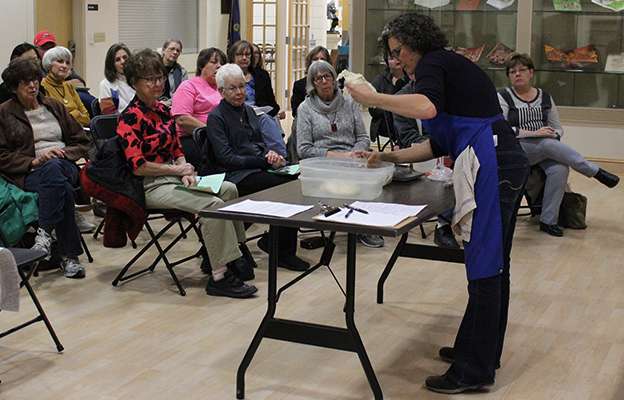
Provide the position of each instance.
(226, 6)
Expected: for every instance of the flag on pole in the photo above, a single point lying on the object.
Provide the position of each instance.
(234, 24)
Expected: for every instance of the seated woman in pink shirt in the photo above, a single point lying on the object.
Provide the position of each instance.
(196, 97)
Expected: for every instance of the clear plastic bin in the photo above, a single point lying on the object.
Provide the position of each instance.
(343, 178)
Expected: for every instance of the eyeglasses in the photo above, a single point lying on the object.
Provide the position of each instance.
(153, 80)
(234, 89)
(244, 54)
(324, 77)
(518, 70)
(396, 52)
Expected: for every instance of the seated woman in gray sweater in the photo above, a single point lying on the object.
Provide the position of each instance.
(330, 124)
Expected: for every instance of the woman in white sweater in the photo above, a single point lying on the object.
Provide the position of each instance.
(115, 94)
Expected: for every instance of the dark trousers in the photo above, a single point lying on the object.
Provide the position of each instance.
(263, 180)
(54, 182)
(479, 342)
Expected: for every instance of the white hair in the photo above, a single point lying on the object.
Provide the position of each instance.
(56, 54)
(228, 71)
(316, 68)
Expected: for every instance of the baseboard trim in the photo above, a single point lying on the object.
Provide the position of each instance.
(606, 160)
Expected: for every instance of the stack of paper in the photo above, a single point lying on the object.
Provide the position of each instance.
(379, 214)
(271, 208)
(208, 184)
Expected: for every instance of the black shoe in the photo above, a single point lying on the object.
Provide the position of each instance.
(444, 384)
(607, 178)
(206, 268)
(230, 286)
(241, 269)
(443, 237)
(374, 241)
(284, 260)
(447, 354)
(553, 230)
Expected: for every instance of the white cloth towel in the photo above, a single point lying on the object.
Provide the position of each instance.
(9, 281)
(464, 178)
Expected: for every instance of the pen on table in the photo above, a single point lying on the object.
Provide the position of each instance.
(348, 212)
(355, 209)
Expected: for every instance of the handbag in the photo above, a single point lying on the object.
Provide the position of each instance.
(573, 210)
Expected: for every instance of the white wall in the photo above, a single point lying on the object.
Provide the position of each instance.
(90, 55)
(596, 142)
(17, 25)
(318, 22)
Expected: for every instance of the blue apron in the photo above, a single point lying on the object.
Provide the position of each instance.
(453, 134)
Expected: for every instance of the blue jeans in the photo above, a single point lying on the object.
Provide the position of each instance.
(479, 342)
(272, 134)
(54, 182)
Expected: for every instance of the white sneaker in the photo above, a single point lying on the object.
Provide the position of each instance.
(72, 268)
(84, 226)
(43, 241)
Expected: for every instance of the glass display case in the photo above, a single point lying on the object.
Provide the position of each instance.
(577, 47)
(472, 27)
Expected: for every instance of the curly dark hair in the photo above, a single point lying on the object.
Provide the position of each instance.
(21, 70)
(109, 62)
(143, 63)
(416, 31)
(519, 59)
(205, 56)
(239, 47)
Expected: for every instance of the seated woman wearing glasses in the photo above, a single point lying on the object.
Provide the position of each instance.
(39, 143)
(534, 116)
(330, 124)
(259, 93)
(58, 62)
(235, 135)
(152, 148)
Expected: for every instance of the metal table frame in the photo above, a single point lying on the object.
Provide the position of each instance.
(435, 195)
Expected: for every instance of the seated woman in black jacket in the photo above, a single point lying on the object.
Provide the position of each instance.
(239, 151)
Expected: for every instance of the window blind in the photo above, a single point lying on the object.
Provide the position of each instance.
(148, 23)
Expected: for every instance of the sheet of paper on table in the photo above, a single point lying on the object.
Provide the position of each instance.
(379, 214)
(271, 208)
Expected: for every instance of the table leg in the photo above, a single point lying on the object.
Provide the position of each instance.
(386, 272)
(349, 318)
(270, 313)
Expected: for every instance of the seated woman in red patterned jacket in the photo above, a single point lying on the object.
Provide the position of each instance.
(153, 150)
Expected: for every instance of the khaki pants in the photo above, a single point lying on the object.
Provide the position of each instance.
(221, 236)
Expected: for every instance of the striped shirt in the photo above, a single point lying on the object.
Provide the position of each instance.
(529, 115)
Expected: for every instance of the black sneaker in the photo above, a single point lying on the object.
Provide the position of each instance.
(288, 261)
(607, 178)
(230, 286)
(241, 269)
(374, 241)
(552, 230)
(444, 384)
(443, 237)
(447, 354)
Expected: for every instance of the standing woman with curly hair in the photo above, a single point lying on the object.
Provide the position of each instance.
(459, 107)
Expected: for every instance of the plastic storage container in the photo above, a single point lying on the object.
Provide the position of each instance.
(343, 178)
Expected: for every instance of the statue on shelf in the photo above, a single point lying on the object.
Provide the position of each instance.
(331, 15)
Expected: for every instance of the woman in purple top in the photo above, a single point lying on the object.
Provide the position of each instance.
(196, 97)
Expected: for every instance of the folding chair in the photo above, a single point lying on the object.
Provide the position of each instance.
(27, 263)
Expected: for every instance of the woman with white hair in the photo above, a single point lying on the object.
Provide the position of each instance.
(239, 150)
(330, 124)
(58, 63)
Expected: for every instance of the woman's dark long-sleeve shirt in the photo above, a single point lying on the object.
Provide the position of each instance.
(236, 141)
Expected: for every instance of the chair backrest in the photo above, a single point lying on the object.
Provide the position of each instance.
(103, 127)
(95, 107)
(207, 161)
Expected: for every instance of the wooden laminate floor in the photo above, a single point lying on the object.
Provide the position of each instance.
(565, 339)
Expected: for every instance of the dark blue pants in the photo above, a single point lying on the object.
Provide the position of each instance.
(54, 182)
(479, 342)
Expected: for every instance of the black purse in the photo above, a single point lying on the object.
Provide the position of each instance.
(573, 210)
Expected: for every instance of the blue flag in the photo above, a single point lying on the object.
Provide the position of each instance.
(234, 24)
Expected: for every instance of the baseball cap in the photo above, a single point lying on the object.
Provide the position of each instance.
(44, 37)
